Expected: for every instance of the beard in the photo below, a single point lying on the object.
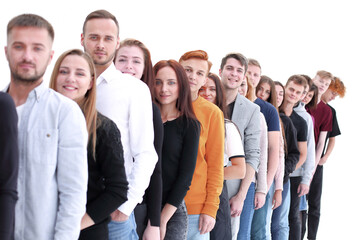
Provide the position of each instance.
(30, 79)
(108, 60)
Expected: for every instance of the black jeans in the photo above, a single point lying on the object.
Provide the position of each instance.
(141, 218)
(294, 219)
(314, 202)
(177, 226)
(222, 229)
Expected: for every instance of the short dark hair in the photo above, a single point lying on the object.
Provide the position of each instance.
(30, 20)
(238, 56)
(103, 14)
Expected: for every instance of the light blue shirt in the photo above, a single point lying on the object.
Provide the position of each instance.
(52, 178)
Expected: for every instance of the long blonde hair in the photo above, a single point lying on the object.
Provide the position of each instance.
(88, 103)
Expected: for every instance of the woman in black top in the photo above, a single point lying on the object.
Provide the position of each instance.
(180, 145)
(74, 76)
(134, 58)
(8, 165)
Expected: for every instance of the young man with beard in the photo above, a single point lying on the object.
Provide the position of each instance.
(246, 115)
(127, 101)
(52, 138)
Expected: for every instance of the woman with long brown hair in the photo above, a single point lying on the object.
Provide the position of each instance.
(74, 77)
(134, 58)
(180, 145)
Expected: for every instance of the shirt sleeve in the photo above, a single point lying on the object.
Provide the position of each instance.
(309, 164)
(335, 128)
(110, 159)
(214, 155)
(273, 122)
(261, 175)
(72, 171)
(8, 165)
(234, 146)
(292, 156)
(252, 134)
(141, 147)
(154, 190)
(186, 165)
(280, 169)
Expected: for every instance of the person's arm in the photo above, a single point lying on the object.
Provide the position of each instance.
(187, 163)
(72, 172)
(214, 156)
(252, 134)
(8, 166)
(154, 190)
(235, 151)
(278, 179)
(273, 156)
(329, 149)
(110, 161)
(141, 147)
(237, 201)
(309, 164)
(320, 147)
(303, 148)
(236, 170)
(167, 212)
(261, 175)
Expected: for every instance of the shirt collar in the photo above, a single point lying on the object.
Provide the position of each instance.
(36, 93)
(106, 75)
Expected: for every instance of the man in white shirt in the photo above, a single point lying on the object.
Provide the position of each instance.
(52, 138)
(127, 101)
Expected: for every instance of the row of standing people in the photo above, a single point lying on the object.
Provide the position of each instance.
(179, 147)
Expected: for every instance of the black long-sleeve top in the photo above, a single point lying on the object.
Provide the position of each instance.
(8, 165)
(107, 183)
(292, 153)
(153, 195)
(179, 153)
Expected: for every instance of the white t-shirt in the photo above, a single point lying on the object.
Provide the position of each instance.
(233, 146)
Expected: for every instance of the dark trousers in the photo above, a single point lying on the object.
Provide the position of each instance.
(294, 217)
(314, 202)
(222, 229)
(98, 231)
(141, 218)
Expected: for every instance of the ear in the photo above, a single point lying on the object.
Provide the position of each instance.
(5, 48)
(82, 38)
(220, 72)
(90, 84)
(118, 43)
(51, 56)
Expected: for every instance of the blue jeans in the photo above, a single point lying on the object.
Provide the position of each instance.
(260, 226)
(247, 214)
(123, 230)
(280, 223)
(193, 229)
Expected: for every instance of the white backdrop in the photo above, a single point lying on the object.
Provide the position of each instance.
(286, 37)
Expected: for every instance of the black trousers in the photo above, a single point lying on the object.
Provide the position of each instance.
(314, 203)
(222, 229)
(294, 216)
